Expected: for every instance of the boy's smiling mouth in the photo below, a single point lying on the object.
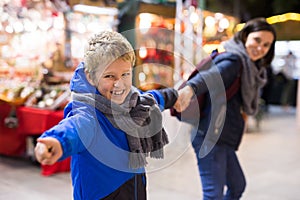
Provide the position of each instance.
(117, 92)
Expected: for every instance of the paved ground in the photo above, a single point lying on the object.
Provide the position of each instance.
(270, 158)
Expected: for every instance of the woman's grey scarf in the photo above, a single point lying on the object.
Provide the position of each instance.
(139, 117)
(252, 80)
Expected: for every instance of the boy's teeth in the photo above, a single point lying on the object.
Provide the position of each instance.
(118, 93)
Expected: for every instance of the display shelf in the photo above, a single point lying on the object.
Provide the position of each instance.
(14, 101)
(11, 142)
(34, 121)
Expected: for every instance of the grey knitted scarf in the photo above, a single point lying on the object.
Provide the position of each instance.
(139, 117)
(253, 78)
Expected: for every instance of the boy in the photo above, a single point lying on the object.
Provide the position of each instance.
(109, 127)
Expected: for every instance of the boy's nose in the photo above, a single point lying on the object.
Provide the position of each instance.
(117, 83)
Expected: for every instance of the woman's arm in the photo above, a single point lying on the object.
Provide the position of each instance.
(228, 67)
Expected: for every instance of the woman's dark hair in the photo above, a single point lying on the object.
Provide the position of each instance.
(254, 25)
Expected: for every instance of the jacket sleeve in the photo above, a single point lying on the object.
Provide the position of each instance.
(165, 98)
(226, 65)
(74, 132)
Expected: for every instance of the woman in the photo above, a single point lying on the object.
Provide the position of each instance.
(246, 55)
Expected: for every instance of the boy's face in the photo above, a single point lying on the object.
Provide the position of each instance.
(116, 80)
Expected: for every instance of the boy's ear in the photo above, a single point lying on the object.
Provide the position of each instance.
(88, 77)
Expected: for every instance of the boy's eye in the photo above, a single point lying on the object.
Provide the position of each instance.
(109, 76)
(126, 74)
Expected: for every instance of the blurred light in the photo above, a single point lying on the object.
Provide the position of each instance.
(209, 21)
(281, 48)
(93, 27)
(185, 13)
(284, 17)
(280, 62)
(33, 14)
(58, 23)
(143, 52)
(18, 27)
(210, 47)
(95, 10)
(275, 19)
(142, 77)
(29, 26)
(9, 29)
(145, 22)
(146, 69)
(4, 17)
(224, 23)
(219, 16)
(294, 47)
(194, 17)
(297, 64)
(45, 24)
(293, 16)
(80, 27)
(239, 26)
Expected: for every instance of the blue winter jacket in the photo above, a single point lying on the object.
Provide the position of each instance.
(99, 151)
(229, 67)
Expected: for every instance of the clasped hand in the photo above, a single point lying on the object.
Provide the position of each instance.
(184, 98)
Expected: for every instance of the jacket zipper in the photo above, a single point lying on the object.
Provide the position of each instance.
(135, 188)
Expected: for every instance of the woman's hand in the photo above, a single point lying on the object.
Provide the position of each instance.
(48, 150)
(184, 98)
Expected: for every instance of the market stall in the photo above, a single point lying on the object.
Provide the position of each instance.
(172, 38)
(41, 43)
(11, 142)
(154, 44)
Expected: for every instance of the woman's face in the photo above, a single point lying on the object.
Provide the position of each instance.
(258, 44)
(116, 80)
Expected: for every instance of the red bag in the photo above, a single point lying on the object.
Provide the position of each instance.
(197, 105)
